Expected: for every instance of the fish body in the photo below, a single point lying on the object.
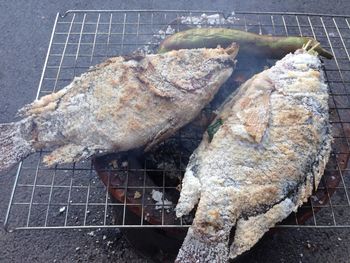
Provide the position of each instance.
(265, 158)
(120, 104)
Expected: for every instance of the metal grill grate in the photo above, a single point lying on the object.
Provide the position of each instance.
(72, 196)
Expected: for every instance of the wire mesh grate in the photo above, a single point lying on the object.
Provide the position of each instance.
(73, 196)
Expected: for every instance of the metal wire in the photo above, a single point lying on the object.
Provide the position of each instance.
(72, 196)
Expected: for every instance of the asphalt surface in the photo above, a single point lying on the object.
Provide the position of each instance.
(25, 28)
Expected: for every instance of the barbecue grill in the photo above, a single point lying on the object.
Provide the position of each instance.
(118, 190)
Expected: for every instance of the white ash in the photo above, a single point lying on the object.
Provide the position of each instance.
(109, 243)
(211, 20)
(158, 197)
(92, 233)
(169, 30)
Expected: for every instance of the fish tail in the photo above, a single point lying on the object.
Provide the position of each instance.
(195, 249)
(13, 143)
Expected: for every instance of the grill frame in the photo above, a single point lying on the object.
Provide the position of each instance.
(336, 38)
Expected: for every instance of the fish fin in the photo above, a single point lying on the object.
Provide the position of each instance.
(196, 249)
(190, 193)
(207, 239)
(163, 134)
(253, 109)
(44, 104)
(249, 231)
(13, 143)
(68, 153)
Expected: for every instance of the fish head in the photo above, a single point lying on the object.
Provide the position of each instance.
(191, 74)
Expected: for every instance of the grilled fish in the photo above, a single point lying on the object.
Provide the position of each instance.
(120, 104)
(269, 151)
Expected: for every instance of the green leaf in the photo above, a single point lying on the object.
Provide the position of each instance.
(213, 128)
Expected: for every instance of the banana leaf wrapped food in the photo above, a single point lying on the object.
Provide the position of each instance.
(275, 47)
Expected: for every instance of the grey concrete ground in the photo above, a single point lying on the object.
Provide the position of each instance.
(25, 28)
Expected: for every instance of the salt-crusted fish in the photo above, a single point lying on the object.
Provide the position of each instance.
(121, 104)
(266, 151)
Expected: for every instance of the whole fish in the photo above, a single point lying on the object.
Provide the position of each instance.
(120, 104)
(264, 154)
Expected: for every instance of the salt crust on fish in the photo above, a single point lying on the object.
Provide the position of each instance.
(120, 104)
(261, 164)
